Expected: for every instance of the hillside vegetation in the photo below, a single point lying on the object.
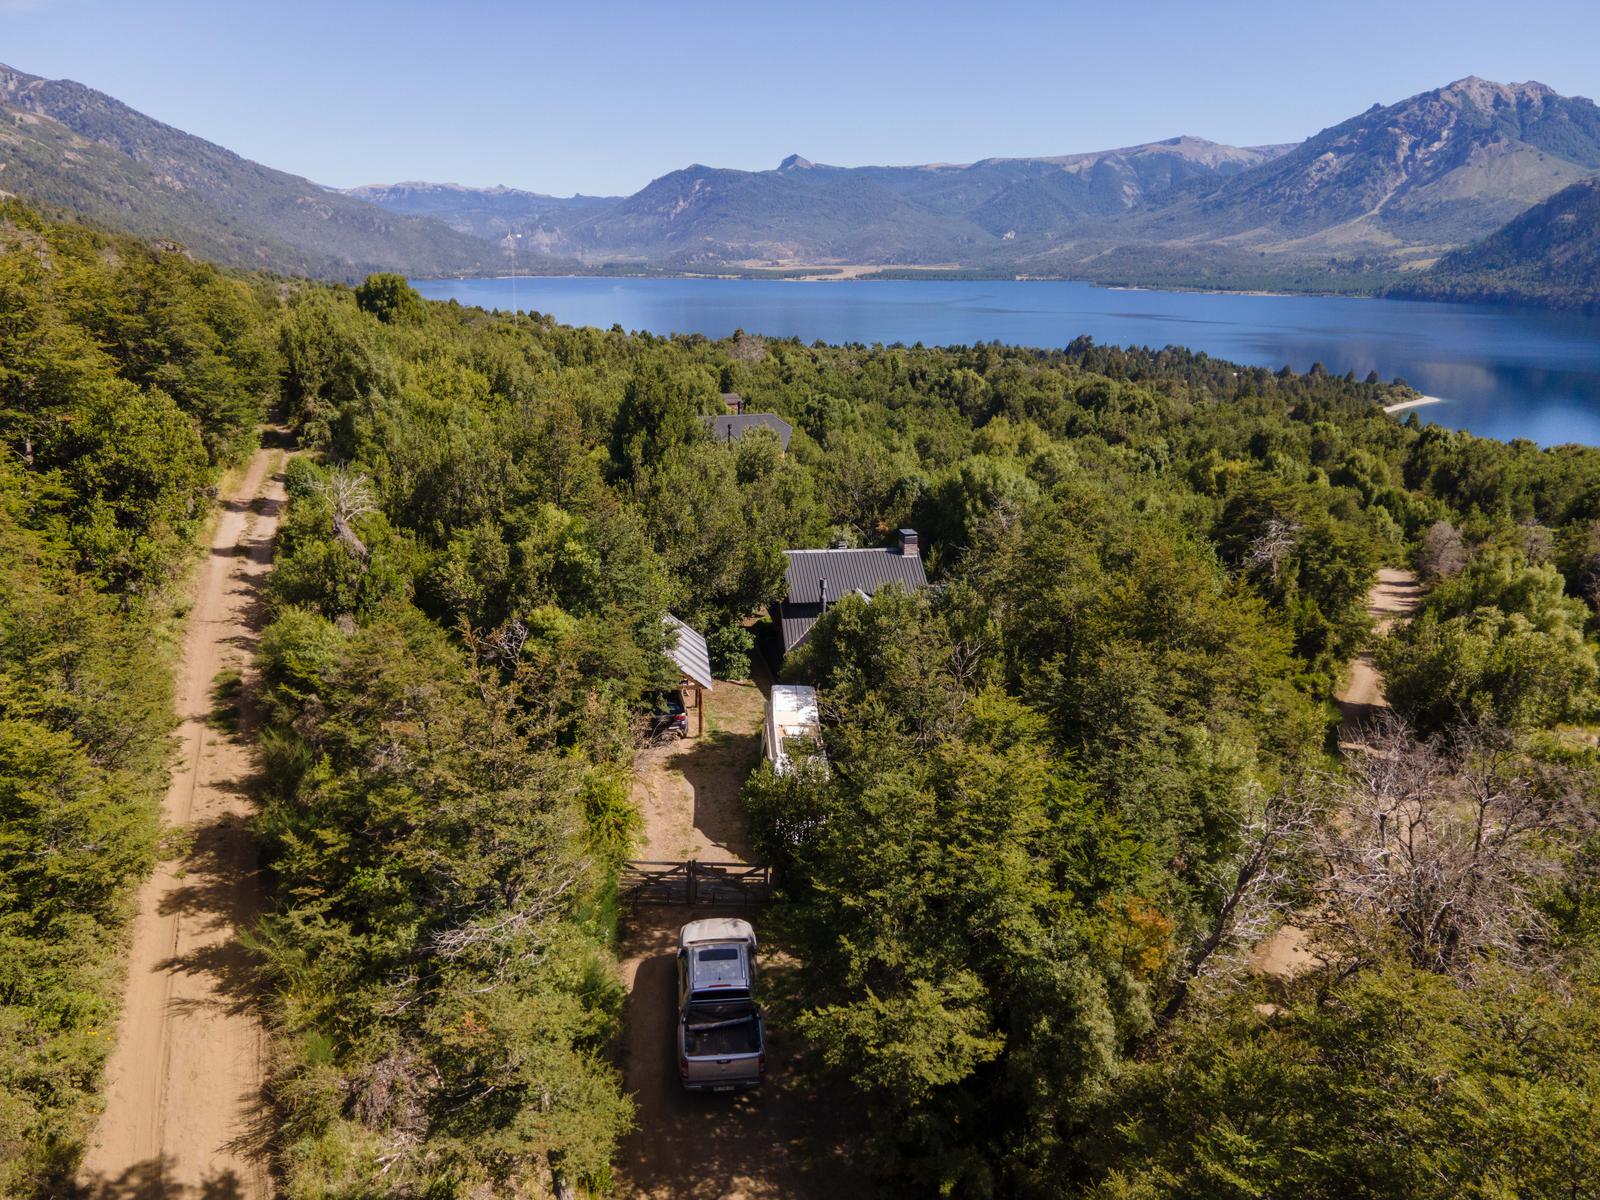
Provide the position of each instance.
(490, 213)
(1348, 209)
(1548, 255)
(1072, 783)
(1363, 206)
(70, 148)
(1024, 894)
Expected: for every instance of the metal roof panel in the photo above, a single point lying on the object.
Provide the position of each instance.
(729, 427)
(846, 571)
(688, 649)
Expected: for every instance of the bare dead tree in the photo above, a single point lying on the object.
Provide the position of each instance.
(1443, 554)
(748, 347)
(391, 1093)
(526, 909)
(1443, 845)
(1253, 887)
(349, 497)
(500, 646)
(1536, 542)
(1275, 543)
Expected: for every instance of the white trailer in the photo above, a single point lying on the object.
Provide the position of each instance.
(793, 730)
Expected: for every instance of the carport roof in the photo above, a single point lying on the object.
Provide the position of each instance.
(688, 649)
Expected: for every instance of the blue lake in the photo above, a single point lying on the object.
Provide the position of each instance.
(1501, 372)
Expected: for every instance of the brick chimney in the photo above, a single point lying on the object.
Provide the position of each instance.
(908, 543)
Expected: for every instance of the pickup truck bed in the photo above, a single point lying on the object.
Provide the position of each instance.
(717, 1034)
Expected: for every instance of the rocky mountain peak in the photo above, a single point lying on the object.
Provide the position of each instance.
(1487, 94)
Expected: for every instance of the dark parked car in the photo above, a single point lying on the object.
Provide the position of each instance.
(667, 716)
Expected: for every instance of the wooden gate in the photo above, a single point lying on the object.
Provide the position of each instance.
(692, 882)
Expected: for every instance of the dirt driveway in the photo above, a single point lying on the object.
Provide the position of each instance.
(788, 1139)
(183, 1115)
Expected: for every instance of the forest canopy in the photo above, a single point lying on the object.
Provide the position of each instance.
(1071, 785)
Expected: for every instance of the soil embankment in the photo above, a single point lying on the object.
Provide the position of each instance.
(184, 1114)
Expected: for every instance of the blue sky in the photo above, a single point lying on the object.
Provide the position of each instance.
(603, 97)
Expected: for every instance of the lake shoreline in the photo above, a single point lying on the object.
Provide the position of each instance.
(1408, 405)
(892, 273)
(1507, 374)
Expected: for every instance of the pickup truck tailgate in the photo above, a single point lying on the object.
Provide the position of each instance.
(723, 1072)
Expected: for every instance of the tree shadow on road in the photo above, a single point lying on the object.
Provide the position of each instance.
(148, 1181)
(715, 768)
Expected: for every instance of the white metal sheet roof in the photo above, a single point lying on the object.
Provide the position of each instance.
(794, 708)
(688, 649)
(717, 929)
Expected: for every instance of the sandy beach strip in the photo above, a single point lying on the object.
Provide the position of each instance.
(1417, 403)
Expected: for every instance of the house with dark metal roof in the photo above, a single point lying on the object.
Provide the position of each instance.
(730, 427)
(817, 578)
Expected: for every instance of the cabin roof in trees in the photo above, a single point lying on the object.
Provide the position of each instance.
(731, 427)
(688, 649)
(810, 573)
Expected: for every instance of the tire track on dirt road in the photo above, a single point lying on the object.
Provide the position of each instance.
(1361, 701)
(184, 1117)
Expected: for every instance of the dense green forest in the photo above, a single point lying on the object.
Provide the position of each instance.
(129, 378)
(1071, 783)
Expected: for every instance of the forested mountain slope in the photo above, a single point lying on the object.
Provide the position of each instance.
(69, 147)
(1360, 206)
(1072, 782)
(1349, 207)
(490, 213)
(1548, 255)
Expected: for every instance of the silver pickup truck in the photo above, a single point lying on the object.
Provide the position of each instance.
(721, 1041)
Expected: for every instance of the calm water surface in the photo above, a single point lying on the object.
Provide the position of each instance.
(1502, 372)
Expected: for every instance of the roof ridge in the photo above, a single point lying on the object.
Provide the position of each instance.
(845, 550)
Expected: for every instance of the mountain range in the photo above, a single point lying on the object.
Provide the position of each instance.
(1408, 196)
(67, 147)
(807, 212)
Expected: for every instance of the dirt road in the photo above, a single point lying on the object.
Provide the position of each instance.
(1393, 598)
(183, 1116)
(784, 1140)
